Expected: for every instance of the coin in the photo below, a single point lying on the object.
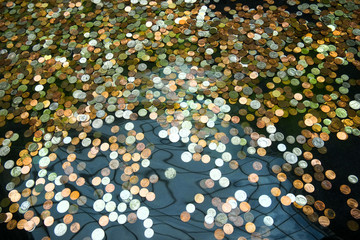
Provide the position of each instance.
(355, 213)
(265, 201)
(199, 198)
(345, 189)
(75, 227)
(60, 229)
(324, 221)
(98, 234)
(185, 216)
(352, 203)
(285, 200)
(250, 227)
(240, 195)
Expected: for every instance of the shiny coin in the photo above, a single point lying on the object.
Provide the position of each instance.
(268, 221)
(215, 174)
(170, 173)
(265, 200)
(63, 206)
(240, 195)
(353, 179)
(142, 213)
(98, 234)
(60, 229)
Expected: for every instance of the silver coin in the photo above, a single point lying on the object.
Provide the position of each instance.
(268, 221)
(99, 205)
(240, 195)
(290, 157)
(318, 142)
(301, 200)
(98, 234)
(148, 223)
(97, 123)
(170, 173)
(265, 200)
(60, 229)
(142, 213)
(353, 179)
(134, 204)
(215, 174)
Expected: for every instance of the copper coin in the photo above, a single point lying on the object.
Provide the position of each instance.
(319, 205)
(245, 207)
(103, 221)
(309, 187)
(132, 218)
(185, 216)
(228, 228)
(345, 189)
(308, 210)
(257, 166)
(150, 196)
(226, 207)
(330, 174)
(276, 169)
(29, 225)
(352, 225)
(355, 213)
(75, 227)
(219, 234)
(281, 177)
(298, 184)
(329, 213)
(324, 221)
(11, 224)
(326, 185)
(313, 217)
(352, 203)
(275, 191)
(307, 178)
(253, 178)
(68, 218)
(48, 221)
(285, 200)
(209, 183)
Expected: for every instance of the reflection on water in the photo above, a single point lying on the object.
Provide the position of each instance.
(172, 196)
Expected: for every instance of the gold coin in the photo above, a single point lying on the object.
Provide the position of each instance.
(250, 227)
(199, 198)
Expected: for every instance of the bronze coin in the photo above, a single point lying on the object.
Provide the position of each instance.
(355, 213)
(185, 216)
(352, 203)
(324, 221)
(326, 185)
(75, 227)
(345, 189)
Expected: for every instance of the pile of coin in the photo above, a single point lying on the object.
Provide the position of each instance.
(70, 71)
